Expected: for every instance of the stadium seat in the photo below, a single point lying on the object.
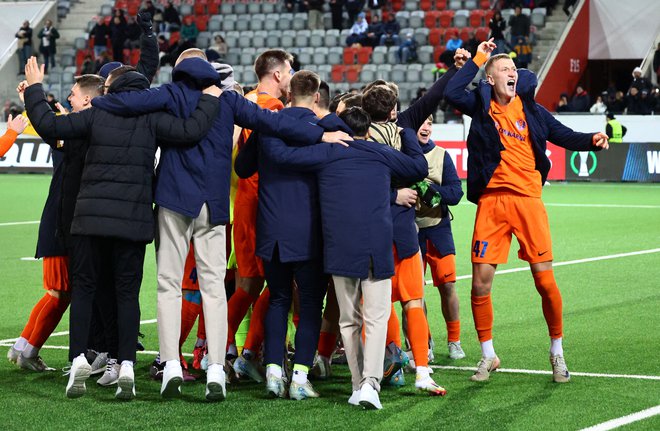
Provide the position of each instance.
(332, 37)
(288, 38)
(421, 35)
(215, 26)
(320, 55)
(411, 5)
(233, 57)
(455, 4)
(185, 10)
(254, 8)
(316, 38)
(506, 14)
(488, 16)
(335, 55)
(306, 56)
(337, 73)
(285, 21)
(271, 21)
(243, 22)
(213, 7)
(247, 56)
(446, 17)
(416, 19)
(249, 77)
(268, 7)
(426, 5)
(399, 72)
(425, 54)
(414, 73)
(538, 16)
(200, 8)
(353, 73)
(106, 10)
(202, 22)
(476, 18)
(461, 18)
(431, 19)
(379, 55)
(402, 18)
(302, 38)
(204, 39)
(484, 4)
(257, 21)
(240, 8)
(324, 71)
(437, 52)
(368, 72)
(435, 36)
(384, 72)
(392, 54)
(232, 38)
(470, 4)
(299, 21)
(440, 4)
(80, 43)
(264, 38)
(465, 34)
(482, 33)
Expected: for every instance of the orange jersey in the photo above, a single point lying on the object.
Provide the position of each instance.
(7, 140)
(516, 169)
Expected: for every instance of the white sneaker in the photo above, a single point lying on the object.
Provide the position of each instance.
(13, 354)
(172, 379)
(215, 383)
(354, 400)
(111, 374)
(125, 383)
(80, 371)
(99, 363)
(455, 350)
(369, 398)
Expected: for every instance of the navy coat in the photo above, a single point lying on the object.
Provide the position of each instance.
(189, 177)
(48, 242)
(288, 214)
(354, 190)
(483, 142)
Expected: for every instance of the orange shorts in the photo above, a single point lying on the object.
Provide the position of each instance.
(56, 273)
(408, 280)
(501, 214)
(189, 281)
(245, 233)
(443, 268)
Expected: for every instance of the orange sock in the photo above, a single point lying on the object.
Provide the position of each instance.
(255, 334)
(48, 319)
(482, 311)
(237, 308)
(453, 331)
(551, 302)
(29, 326)
(191, 306)
(393, 329)
(327, 344)
(201, 326)
(418, 334)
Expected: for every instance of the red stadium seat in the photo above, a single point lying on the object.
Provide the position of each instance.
(364, 54)
(353, 73)
(464, 35)
(349, 55)
(337, 73)
(202, 22)
(397, 5)
(121, 4)
(488, 16)
(135, 56)
(446, 16)
(449, 32)
(200, 8)
(425, 5)
(435, 36)
(440, 4)
(431, 19)
(476, 18)
(484, 4)
(482, 33)
(133, 9)
(437, 52)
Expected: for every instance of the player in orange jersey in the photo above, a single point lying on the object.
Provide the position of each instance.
(507, 168)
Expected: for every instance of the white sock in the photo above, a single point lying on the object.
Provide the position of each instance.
(422, 372)
(487, 349)
(556, 347)
(299, 377)
(274, 370)
(30, 351)
(129, 363)
(20, 344)
(172, 363)
(212, 368)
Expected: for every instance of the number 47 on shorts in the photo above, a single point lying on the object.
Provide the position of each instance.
(479, 248)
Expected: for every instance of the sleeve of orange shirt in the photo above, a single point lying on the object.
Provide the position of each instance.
(7, 140)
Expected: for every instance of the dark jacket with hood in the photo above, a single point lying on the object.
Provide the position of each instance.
(48, 242)
(483, 142)
(115, 198)
(189, 177)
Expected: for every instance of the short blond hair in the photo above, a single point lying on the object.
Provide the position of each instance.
(191, 53)
(491, 61)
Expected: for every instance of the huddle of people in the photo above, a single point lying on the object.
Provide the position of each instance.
(344, 201)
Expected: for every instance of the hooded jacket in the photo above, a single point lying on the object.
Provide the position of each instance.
(483, 142)
(115, 198)
(189, 177)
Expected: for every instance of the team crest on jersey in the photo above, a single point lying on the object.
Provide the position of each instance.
(521, 124)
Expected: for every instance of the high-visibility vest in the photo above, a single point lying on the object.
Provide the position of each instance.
(617, 132)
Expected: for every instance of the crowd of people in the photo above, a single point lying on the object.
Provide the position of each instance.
(340, 201)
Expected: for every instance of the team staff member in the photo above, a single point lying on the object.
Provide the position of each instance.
(506, 171)
(15, 126)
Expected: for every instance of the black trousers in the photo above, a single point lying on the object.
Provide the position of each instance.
(123, 261)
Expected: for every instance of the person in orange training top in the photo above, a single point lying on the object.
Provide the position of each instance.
(507, 168)
(15, 127)
(435, 237)
(273, 69)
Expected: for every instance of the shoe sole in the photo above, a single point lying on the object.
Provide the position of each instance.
(369, 406)
(214, 392)
(173, 388)
(434, 392)
(78, 387)
(105, 385)
(125, 387)
(393, 369)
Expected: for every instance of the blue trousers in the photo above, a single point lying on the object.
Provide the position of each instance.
(312, 284)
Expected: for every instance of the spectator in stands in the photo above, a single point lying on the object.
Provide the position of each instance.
(376, 7)
(523, 51)
(101, 60)
(453, 44)
(48, 47)
(497, 26)
(567, 5)
(358, 31)
(656, 63)
(336, 11)
(189, 31)
(639, 82)
(133, 32)
(171, 17)
(599, 107)
(656, 98)
(219, 49)
(618, 105)
(646, 103)
(580, 102)
(391, 29)
(24, 36)
(290, 6)
(52, 102)
(374, 32)
(149, 7)
(472, 43)
(421, 91)
(315, 14)
(408, 49)
(519, 24)
(562, 105)
(118, 35)
(100, 33)
(88, 67)
(615, 131)
(354, 8)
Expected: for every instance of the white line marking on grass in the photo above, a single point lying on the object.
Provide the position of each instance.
(62, 333)
(143, 352)
(625, 420)
(568, 262)
(29, 259)
(546, 372)
(602, 206)
(17, 223)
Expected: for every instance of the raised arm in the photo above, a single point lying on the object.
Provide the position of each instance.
(51, 126)
(148, 63)
(415, 115)
(174, 131)
(457, 92)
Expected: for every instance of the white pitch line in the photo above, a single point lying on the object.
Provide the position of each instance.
(625, 420)
(568, 262)
(62, 333)
(546, 372)
(16, 223)
(577, 205)
(143, 352)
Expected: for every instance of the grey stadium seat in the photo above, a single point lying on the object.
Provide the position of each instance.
(302, 38)
(399, 72)
(416, 19)
(271, 21)
(320, 55)
(402, 18)
(245, 39)
(414, 73)
(461, 18)
(263, 38)
(299, 21)
(324, 71)
(336, 55)
(243, 22)
(285, 21)
(379, 55)
(425, 54)
(248, 55)
(257, 21)
(317, 38)
(332, 37)
(204, 39)
(422, 35)
(288, 38)
(232, 38)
